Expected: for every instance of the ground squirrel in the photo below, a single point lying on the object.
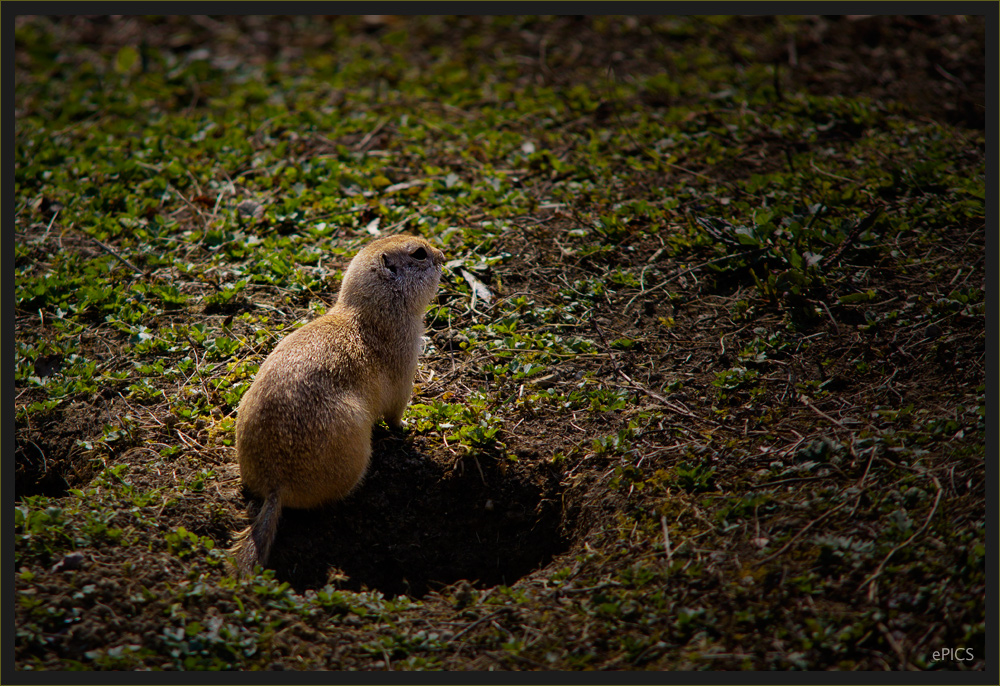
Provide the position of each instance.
(303, 429)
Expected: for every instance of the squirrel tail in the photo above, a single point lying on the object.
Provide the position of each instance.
(253, 544)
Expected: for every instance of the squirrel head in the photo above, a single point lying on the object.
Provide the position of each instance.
(394, 273)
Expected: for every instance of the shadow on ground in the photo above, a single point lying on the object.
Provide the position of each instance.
(416, 525)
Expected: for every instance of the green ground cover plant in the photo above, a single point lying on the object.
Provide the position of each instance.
(703, 388)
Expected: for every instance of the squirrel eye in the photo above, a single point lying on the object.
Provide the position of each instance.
(419, 254)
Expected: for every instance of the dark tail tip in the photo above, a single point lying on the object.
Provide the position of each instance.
(253, 544)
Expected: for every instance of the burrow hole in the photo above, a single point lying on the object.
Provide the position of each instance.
(416, 525)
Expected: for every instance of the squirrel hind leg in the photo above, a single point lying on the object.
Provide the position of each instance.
(253, 544)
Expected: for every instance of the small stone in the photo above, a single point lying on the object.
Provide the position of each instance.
(250, 208)
(456, 342)
(70, 562)
(547, 381)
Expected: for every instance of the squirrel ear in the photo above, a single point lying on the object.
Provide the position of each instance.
(387, 263)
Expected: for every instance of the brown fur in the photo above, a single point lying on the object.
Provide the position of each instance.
(303, 429)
